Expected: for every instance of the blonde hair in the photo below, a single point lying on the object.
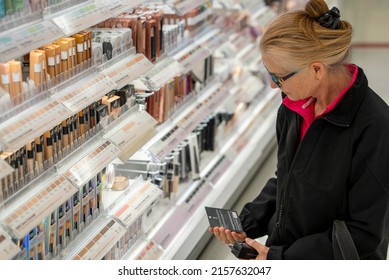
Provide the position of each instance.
(296, 39)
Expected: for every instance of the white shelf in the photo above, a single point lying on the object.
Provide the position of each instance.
(181, 124)
(20, 40)
(220, 178)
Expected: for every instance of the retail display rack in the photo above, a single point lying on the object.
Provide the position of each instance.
(162, 108)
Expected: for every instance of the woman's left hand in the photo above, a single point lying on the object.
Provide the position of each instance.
(261, 249)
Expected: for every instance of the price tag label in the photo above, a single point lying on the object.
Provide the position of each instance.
(98, 157)
(131, 68)
(215, 98)
(168, 142)
(132, 133)
(190, 58)
(5, 168)
(118, 7)
(193, 118)
(15, 43)
(82, 17)
(185, 6)
(196, 197)
(34, 122)
(32, 212)
(138, 203)
(8, 248)
(217, 171)
(77, 98)
(162, 72)
(102, 242)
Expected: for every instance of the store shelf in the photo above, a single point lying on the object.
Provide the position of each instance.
(18, 130)
(183, 122)
(123, 134)
(223, 188)
(219, 179)
(20, 40)
(30, 210)
(184, 6)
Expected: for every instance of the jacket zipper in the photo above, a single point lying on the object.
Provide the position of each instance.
(283, 205)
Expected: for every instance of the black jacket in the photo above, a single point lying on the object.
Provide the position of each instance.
(339, 170)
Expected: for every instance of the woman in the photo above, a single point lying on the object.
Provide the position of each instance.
(333, 145)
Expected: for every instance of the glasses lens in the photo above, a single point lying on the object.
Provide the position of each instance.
(275, 80)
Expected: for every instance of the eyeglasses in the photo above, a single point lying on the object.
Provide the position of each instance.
(279, 80)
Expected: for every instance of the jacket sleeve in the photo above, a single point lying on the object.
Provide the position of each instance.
(256, 215)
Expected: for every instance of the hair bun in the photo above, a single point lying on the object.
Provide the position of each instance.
(331, 19)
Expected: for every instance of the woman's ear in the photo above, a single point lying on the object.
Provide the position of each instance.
(318, 70)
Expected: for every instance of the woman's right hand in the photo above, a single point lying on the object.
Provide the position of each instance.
(226, 235)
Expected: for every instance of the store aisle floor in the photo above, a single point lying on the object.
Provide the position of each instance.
(374, 62)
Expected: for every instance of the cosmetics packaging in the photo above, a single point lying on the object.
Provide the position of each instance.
(97, 53)
(6, 181)
(169, 98)
(84, 206)
(81, 129)
(16, 77)
(64, 45)
(22, 163)
(80, 47)
(5, 77)
(158, 17)
(52, 236)
(72, 59)
(102, 116)
(39, 154)
(50, 61)
(75, 130)
(92, 197)
(65, 134)
(130, 93)
(151, 39)
(61, 227)
(69, 221)
(44, 68)
(141, 35)
(120, 183)
(59, 148)
(87, 43)
(113, 103)
(99, 187)
(48, 147)
(194, 156)
(76, 214)
(57, 49)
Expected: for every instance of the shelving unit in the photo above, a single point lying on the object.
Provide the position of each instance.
(155, 236)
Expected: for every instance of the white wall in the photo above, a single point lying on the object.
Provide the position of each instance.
(370, 19)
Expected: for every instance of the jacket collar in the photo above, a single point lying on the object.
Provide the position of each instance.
(344, 113)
